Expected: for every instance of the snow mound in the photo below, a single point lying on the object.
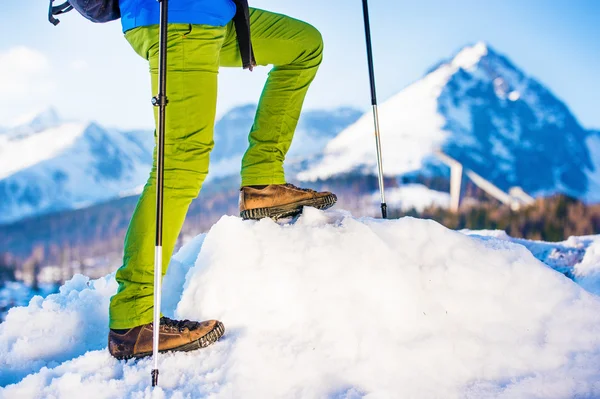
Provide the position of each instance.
(58, 328)
(587, 272)
(333, 307)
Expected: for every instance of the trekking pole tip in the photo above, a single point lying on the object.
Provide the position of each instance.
(154, 377)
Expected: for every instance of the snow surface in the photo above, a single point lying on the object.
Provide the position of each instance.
(17, 293)
(329, 307)
(576, 257)
(587, 272)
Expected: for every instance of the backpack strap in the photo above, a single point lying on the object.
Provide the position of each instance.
(242, 28)
(57, 10)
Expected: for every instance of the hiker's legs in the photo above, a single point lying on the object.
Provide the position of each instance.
(193, 58)
(295, 49)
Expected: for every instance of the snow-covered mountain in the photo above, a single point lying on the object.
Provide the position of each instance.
(482, 110)
(49, 165)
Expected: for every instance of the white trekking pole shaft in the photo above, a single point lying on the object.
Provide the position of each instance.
(375, 110)
(159, 101)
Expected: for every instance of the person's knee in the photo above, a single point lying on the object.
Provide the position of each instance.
(314, 43)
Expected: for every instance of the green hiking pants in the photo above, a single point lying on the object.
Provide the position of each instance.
(195, 53)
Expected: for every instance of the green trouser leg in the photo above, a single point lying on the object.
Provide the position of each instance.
(295, 49)
(194, 55)
(193, 64)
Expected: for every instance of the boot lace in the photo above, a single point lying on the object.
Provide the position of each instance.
(177, 325)
(307, 190)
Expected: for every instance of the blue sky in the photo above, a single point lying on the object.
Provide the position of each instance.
(88, 72)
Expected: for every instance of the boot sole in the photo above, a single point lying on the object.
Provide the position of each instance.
(289, 210)
(206, 340)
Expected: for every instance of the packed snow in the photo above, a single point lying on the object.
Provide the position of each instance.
(330, 307)
(587, 272)
(17, 293)
(576, 257)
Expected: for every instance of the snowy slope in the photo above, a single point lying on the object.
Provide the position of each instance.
(49, 165)
(577, 257)
(331, 307)
(482, 110)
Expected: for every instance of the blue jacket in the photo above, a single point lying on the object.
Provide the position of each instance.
(136, 13)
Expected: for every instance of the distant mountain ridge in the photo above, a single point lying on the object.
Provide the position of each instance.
(50, 165)
(60, 165)
(483, 111)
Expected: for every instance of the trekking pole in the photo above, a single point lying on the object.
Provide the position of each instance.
(375, 110)
(159, 101)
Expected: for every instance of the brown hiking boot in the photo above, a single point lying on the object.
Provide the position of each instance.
(281, 200)
(174, 335)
